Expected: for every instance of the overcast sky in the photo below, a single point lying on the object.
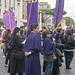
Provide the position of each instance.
(69, 6)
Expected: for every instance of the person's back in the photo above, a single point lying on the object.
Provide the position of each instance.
(69, 47)
(16, 46)
(69, 42)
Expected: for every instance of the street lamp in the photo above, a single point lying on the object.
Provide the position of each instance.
(40, 26)
(18, 2)
(51, 20)
(18, 13)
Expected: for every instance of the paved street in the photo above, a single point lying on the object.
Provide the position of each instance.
(3, 70)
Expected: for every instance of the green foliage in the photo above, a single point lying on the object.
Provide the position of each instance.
(18, 0)
(64, 12)
(69, 21)
(52, 11)
(74, 25)
(49, 11)
(1, 22)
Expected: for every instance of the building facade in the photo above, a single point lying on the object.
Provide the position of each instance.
(19, 8)
(63, 23)
(44, 5)
(47, 18)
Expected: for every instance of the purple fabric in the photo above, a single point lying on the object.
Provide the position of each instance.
(34, 13)
(6, 20)
(48, 46)
(33, 42)
(69, 38)
(56, 33)
(74, 31)
(58, 12)
(7, 40)
(12, 20)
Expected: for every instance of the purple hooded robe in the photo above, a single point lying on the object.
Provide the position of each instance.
(32, 62)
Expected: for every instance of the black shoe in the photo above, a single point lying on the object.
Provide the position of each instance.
(62, 60)
(69, 68)
(60, 65)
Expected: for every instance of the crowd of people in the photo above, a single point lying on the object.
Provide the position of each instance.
(22, 48)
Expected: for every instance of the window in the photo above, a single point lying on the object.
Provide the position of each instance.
(9, 3)
(18, 0)
(14, 4)
(26, 8)
(0, 2)
(30, 0)
(23, 8)
(5, 3)
(23, 0)
(23, 16)
(0, 11)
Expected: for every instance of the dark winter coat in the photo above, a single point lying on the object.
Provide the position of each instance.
(69, 43)
(15, 65)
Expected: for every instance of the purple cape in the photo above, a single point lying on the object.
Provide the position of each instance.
(32, 62)
(48, 46)
(33, 42)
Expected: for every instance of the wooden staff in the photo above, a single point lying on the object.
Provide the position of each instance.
(9, 16)
(29, 19)
(59, 23)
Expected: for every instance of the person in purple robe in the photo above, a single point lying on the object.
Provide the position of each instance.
(48, 51)
(32, 48)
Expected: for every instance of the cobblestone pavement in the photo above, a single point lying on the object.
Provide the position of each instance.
(3, 69)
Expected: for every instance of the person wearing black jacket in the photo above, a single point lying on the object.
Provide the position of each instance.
(22, 36)
(69, 47)
(16, 65)
(59, 38)
(57, 62)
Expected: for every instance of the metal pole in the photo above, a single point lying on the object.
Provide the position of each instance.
(18, 14)
(9, 16)
(51, 20)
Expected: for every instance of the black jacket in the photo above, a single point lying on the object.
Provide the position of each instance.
(59, 41)
(18, 44)
(57, 37)
(16, 66)
(22, 38)
(69, 43)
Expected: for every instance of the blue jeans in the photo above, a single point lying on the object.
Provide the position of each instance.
(68, 58)
(5, 52)
(49, 68)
